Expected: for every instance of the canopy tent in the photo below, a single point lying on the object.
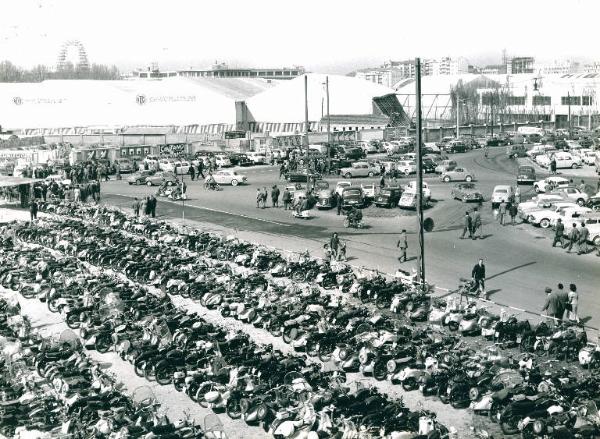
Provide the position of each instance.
(8, 181)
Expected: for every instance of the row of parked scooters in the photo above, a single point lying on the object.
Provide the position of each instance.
(50, 388)
(218, 368)
(308, 319)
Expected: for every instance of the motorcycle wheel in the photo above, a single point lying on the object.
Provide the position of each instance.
(179, 385)
(311, 348)
(382, 302)
(409, 384)
(139, 367)
(298, 276)
(163, 376)
(509, 426)
(52, 305)
(103, 343)
(233, 408)
(27, 293)
(72, 320)
(380, 370)
(325, 353)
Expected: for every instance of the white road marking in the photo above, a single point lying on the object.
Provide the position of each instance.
(220, 211)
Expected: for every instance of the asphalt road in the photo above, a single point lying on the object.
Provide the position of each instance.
(519, 259)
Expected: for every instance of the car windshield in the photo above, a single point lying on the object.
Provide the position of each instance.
(353, 192)
(502, 191)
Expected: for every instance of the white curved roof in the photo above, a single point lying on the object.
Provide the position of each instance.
(285, 101)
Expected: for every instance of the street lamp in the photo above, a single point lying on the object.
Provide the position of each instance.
(458, 101)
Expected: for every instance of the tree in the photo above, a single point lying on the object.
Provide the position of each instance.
(11, 73)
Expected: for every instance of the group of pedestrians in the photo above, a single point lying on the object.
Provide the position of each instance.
(147, 206)
(262, 196)
(561, 304)
(577, 236)
(336, 248)
(506, 210)
(472, 225)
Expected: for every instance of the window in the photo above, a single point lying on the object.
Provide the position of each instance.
(586, 100)
(515, 100)
(542, 100)
(575, 100)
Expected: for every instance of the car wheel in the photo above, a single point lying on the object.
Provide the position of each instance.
(574, 166)
(130, 183)
(371, 174)
(464, 200)
(537, 189)
(138, 182)
(347, 175)
(447, 179)
(596, 241)
(234, 182)
(468, 178)
(581, 201)
(545, 223)
(169, 183)
(149, 183)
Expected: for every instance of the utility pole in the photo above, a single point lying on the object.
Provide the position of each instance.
(328, 120)
(492, 112)
(457, 116)
(421, 258)
(569, 104)
(306, 117)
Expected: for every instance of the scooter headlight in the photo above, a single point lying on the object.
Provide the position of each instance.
(391, 366)
(538, 427)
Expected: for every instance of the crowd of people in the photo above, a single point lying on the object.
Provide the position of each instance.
(561, 304)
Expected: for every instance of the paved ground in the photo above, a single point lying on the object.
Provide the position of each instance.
(519, 259)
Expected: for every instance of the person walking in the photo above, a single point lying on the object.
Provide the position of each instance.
(339, 202)
(192, 172)
(573, 297)
(467, 226)
(478, 275)
(136, 207)
(517, 196)
(512, 211)
(264, 196)
(583, 237)
(282, 171)
(553, 166)
(554, 305)
(559, 231)
(501, 212)
(334, 244)
(382, 182)
(477, 224)
(152, 206)
(582, 186)
(573, 237)
(144, 206)
(286, 197)
(201, 169)
(33, 210)
(258, 197)
(403, 246)
(118, 171)
(275, 196)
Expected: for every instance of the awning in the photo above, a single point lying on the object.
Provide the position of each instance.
(7, 181)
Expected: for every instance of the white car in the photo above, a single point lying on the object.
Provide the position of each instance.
(572, 193)
(592, 222)
(411, 187)
(406, 167)
(359, 169)
(166, 165)
(588, 156)
(341, 185)
(182, 167)
(368, 190)
(223, 161)
(542, 201)
(550, 183)
(567, 160)
(546, 217)
(258, 158)
(229, 176)
(570, 215)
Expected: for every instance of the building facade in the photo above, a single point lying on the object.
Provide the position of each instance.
(219, 71)
(520, 65)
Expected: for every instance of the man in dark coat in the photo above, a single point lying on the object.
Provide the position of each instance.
(467, 226)
(192, 172)
(286, 198)
(573, 237)
(476, 221)
(275, 196)
(334, 244)
(403, 246)
(584, 235)
(559, 231)
(555, 303)
(478, 274)
(33, 209)
(339, 201)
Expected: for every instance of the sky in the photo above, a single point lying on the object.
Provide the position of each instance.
(328, 36)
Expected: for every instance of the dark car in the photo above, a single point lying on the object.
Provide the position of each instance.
(526, 175)
(354, 154)
(561, 144)
(497, 141)
(429, 166)
(456, 146)
(388, 197)
(301, 176)
(353, 197)
(339, 163)
(466, 192)
(516, 151)
(238, 159)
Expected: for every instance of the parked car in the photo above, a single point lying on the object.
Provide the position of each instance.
(411, 187)
(239, 159)
(182, 167)
(354, 154)
(550, 183)
(388, 197)
(541, 201)
(257, 158)
(341, 185)
(406, 167)
(301, 175)
(526, 175)
(428, 166)
(572, 193)
(592, 223)
(571, 214)
(160, 177)
(359, 169)
(501, 193)
(223, 161)
(229, 176)
(408, 200)
(324, 193)
(466, 192)
(353, 197)
(544, 218)
(368, 190)
(139, 177)
(456, 146)
(516, 150)
(457, 174)
(370, 147)
(125, 165)
(566, 160)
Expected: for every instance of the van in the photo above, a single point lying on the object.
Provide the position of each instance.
(501, 193)
(444, 166)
